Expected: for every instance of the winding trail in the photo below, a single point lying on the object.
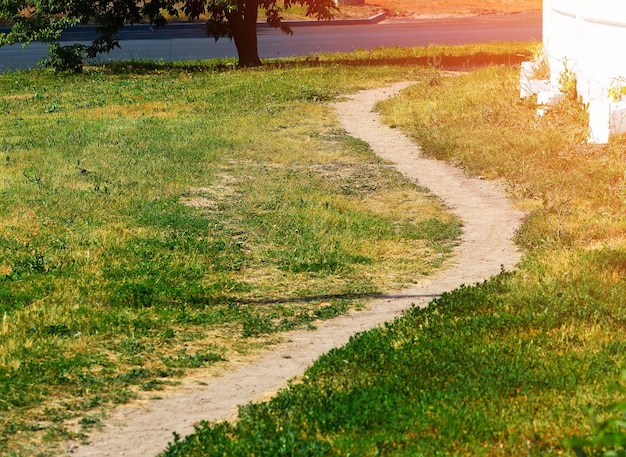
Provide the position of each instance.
(489, 225)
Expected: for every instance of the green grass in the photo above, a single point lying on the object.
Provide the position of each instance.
(160, 218)
(508, 367)
(483, 371)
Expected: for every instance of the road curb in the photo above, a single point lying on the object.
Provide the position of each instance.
(365, 21)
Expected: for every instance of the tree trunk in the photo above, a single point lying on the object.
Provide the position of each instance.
(243, 27)
(248, 54)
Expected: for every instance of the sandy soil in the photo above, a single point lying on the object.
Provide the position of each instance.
(489, 225)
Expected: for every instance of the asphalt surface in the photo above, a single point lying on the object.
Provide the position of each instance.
(189, 41)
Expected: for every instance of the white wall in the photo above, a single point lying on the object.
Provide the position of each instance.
(589, 38)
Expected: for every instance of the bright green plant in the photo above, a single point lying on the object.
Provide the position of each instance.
(608, 429)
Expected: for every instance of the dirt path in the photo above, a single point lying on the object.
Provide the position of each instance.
(489, 224)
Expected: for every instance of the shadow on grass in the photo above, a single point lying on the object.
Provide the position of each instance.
(441, 61)
(445, 61)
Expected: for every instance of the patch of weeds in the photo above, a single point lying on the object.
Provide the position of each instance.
(352, 143)
(97, 180)
(544, 228)
(132, 346)
(311, 261)
(568, 82)
(199, 359)
(122, 396)
(437, 232)
(35, 262)
(153, 293)
(315, 94)
(61, 330)
(15, 393)
(92, 402)
(608, 428)
(135, 295)
(334, 309)
(153, 384)
(11, 427)
(135, 376)
(357, 179)
(168, 334)
(33, 176)
(169, 215)
(256, 324)
(313, 252)
(280, 319)
(56, 433)
(89, 422)
(12, 298)
(56, 414)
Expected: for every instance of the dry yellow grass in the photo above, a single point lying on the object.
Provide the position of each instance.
(442, 8)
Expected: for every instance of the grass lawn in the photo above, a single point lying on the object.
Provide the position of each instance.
(514, 366)
(162, 218)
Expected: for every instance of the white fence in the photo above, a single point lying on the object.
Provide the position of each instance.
(588, 37)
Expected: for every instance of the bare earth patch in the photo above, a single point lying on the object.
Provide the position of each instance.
(489, 224)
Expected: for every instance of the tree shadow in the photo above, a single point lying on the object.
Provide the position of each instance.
(442, 61)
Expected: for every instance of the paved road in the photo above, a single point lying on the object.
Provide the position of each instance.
(187, 41)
